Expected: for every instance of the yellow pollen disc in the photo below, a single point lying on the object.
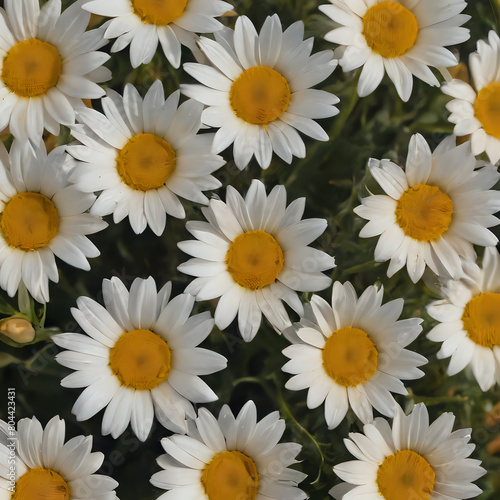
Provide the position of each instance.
(159, 12)
(350, 357)
(487, 108)
(140, 359)
(230, 475)
(259, 95)
(390, 29)
(405, 475)
(481, 319)
(41, 484)
(146, 162)
(29, 221)
(254, 259)
(424, 212)
(31, 67)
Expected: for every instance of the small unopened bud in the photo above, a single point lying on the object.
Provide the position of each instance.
(18, 329)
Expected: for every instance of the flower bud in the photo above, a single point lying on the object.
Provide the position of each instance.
(18, 329)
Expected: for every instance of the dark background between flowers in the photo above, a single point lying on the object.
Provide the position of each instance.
(332, 177)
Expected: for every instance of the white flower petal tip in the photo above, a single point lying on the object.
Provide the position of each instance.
(352, 353)
(44, 463)
(433, 456)
(472, 110)
(43, 217)
(469, 322)
(254, 254)
(143, 24)
(257, 90)
(433, 212)
(399, 38)
(215, 452)
(142, 155)
(50, 63)
(139, 358)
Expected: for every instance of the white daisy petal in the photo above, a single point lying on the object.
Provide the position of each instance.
(135, 135)
(143, 29)
(242, 235)
(379, 463)
(45, 453)
(246, 42)
(249, 60)
(463, 327)
(143, 45)
(412, 37)
(142, 415)
(422, 239)
(130, 366)
(117, 414)
(52, 200)
(329, 336)
(471, 108)
(47, 29)
(210, 443)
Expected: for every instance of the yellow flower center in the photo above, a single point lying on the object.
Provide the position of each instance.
(230, 475)
(405, 475)
(424, 212)
(146, 162)
(41, 484)
(254, 259)
(259, 95)
(159, 12)
(140, 359)
(31, 67)
(350, 357)
(487, 108)
(481, 319)
(390, 29)
(29, 221)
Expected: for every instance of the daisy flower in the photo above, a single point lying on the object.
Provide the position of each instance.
(253, 253)
(434, 211)
(257, 90)
(352, 353)
(469, 316)
(475, 108)
(142, 23)
(398, 37)
(142, 155)
(139, 358)
(230, 458)
(411, 460)
(42, 215)
(47, 467)
(48, 65)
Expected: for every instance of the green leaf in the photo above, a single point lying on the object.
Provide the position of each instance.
(24, 300)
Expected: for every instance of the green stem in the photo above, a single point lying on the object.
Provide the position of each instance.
(495, 7)
(346, 113)
(286, 410)
(436, 400)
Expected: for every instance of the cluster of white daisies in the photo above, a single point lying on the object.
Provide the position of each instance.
(139, 357)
